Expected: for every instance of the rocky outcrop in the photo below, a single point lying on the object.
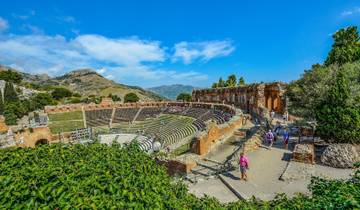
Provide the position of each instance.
(340, 156)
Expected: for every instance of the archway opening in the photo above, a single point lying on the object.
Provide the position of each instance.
(41, 142)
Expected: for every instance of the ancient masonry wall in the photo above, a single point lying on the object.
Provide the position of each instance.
(202, 144)
(250, 97)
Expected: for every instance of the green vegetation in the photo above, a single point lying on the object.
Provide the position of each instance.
(10, 94)
(184, 97)
(66, 121)
(60, 93)
(114, 97)
(337, 120)
(97, 176)
(10, 76)
(230, 82)
(330, 93)
(131, 97)
(346, 47)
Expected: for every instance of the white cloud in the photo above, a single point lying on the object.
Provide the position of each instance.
(101, 70)
(353, 11)
(3, 24)
(121, 51)
(132, 60)
(153, 76)
(188, 52)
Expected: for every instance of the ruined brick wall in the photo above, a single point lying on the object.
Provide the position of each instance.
(177, 167)
(29, 137)
(249, 97)
(203, 143)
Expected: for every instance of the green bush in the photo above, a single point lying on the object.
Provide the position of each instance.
(131, 97)
(184, 97)
(59, 93)
(338, 121)
(11, 76)
(97, 176)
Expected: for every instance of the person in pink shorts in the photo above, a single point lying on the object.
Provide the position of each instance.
(244, 166)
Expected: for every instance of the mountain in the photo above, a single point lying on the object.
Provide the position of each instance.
(172, 91)
(87, 82)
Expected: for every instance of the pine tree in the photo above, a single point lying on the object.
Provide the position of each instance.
(231, 81)
(241, 81)
(10, 94)
(1, 104)
(221, 83)
(337, 120)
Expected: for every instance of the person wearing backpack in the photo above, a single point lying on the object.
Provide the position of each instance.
(244, 166)
(270, 138)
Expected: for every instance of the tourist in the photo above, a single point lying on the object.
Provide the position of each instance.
(244, 165)
(286, 136)
(272, 114)
(285, 116)
(270, 138)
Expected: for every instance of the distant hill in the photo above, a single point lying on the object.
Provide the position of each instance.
(172, 91)
(87, 82)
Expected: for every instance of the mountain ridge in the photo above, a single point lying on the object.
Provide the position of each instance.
(86, 82)
(172, 91)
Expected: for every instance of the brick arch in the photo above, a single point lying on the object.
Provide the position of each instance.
(41, 141)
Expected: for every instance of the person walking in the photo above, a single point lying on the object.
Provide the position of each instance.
(286, 136)
(286, 116)
(270, 138)
(244, 166)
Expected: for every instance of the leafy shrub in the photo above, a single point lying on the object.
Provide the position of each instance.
(97, 176)
(59, 93)
(184, 97)
(338, 121)
(131, 97)
(11, 76)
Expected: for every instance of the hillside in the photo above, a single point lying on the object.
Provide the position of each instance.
(87, 82)
(172, 91)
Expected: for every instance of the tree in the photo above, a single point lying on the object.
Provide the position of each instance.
(131, 97)
(221, 83)
(10, 117)
(346, 47)
(184, 97)
(241, 81)
(10, 93)
(231, 81)
(43, 99)
(11, 76)
(338, 121)
(59, 93)
(214, 85)
(114, 97)
(1, 104)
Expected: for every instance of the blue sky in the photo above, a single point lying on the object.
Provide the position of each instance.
(151, 43)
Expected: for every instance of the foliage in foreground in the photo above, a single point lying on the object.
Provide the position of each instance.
(97, 176)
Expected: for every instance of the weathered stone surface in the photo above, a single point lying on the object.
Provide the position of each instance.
(304, 153)
(340, 156)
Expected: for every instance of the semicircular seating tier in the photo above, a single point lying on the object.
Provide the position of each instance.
(169, 122)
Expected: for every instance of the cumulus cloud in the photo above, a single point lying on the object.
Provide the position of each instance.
(188, 52)
(3, 24)
(350, 12)
(120, 59)
(121, 51)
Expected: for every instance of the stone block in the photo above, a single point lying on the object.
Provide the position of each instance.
(304, 153)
